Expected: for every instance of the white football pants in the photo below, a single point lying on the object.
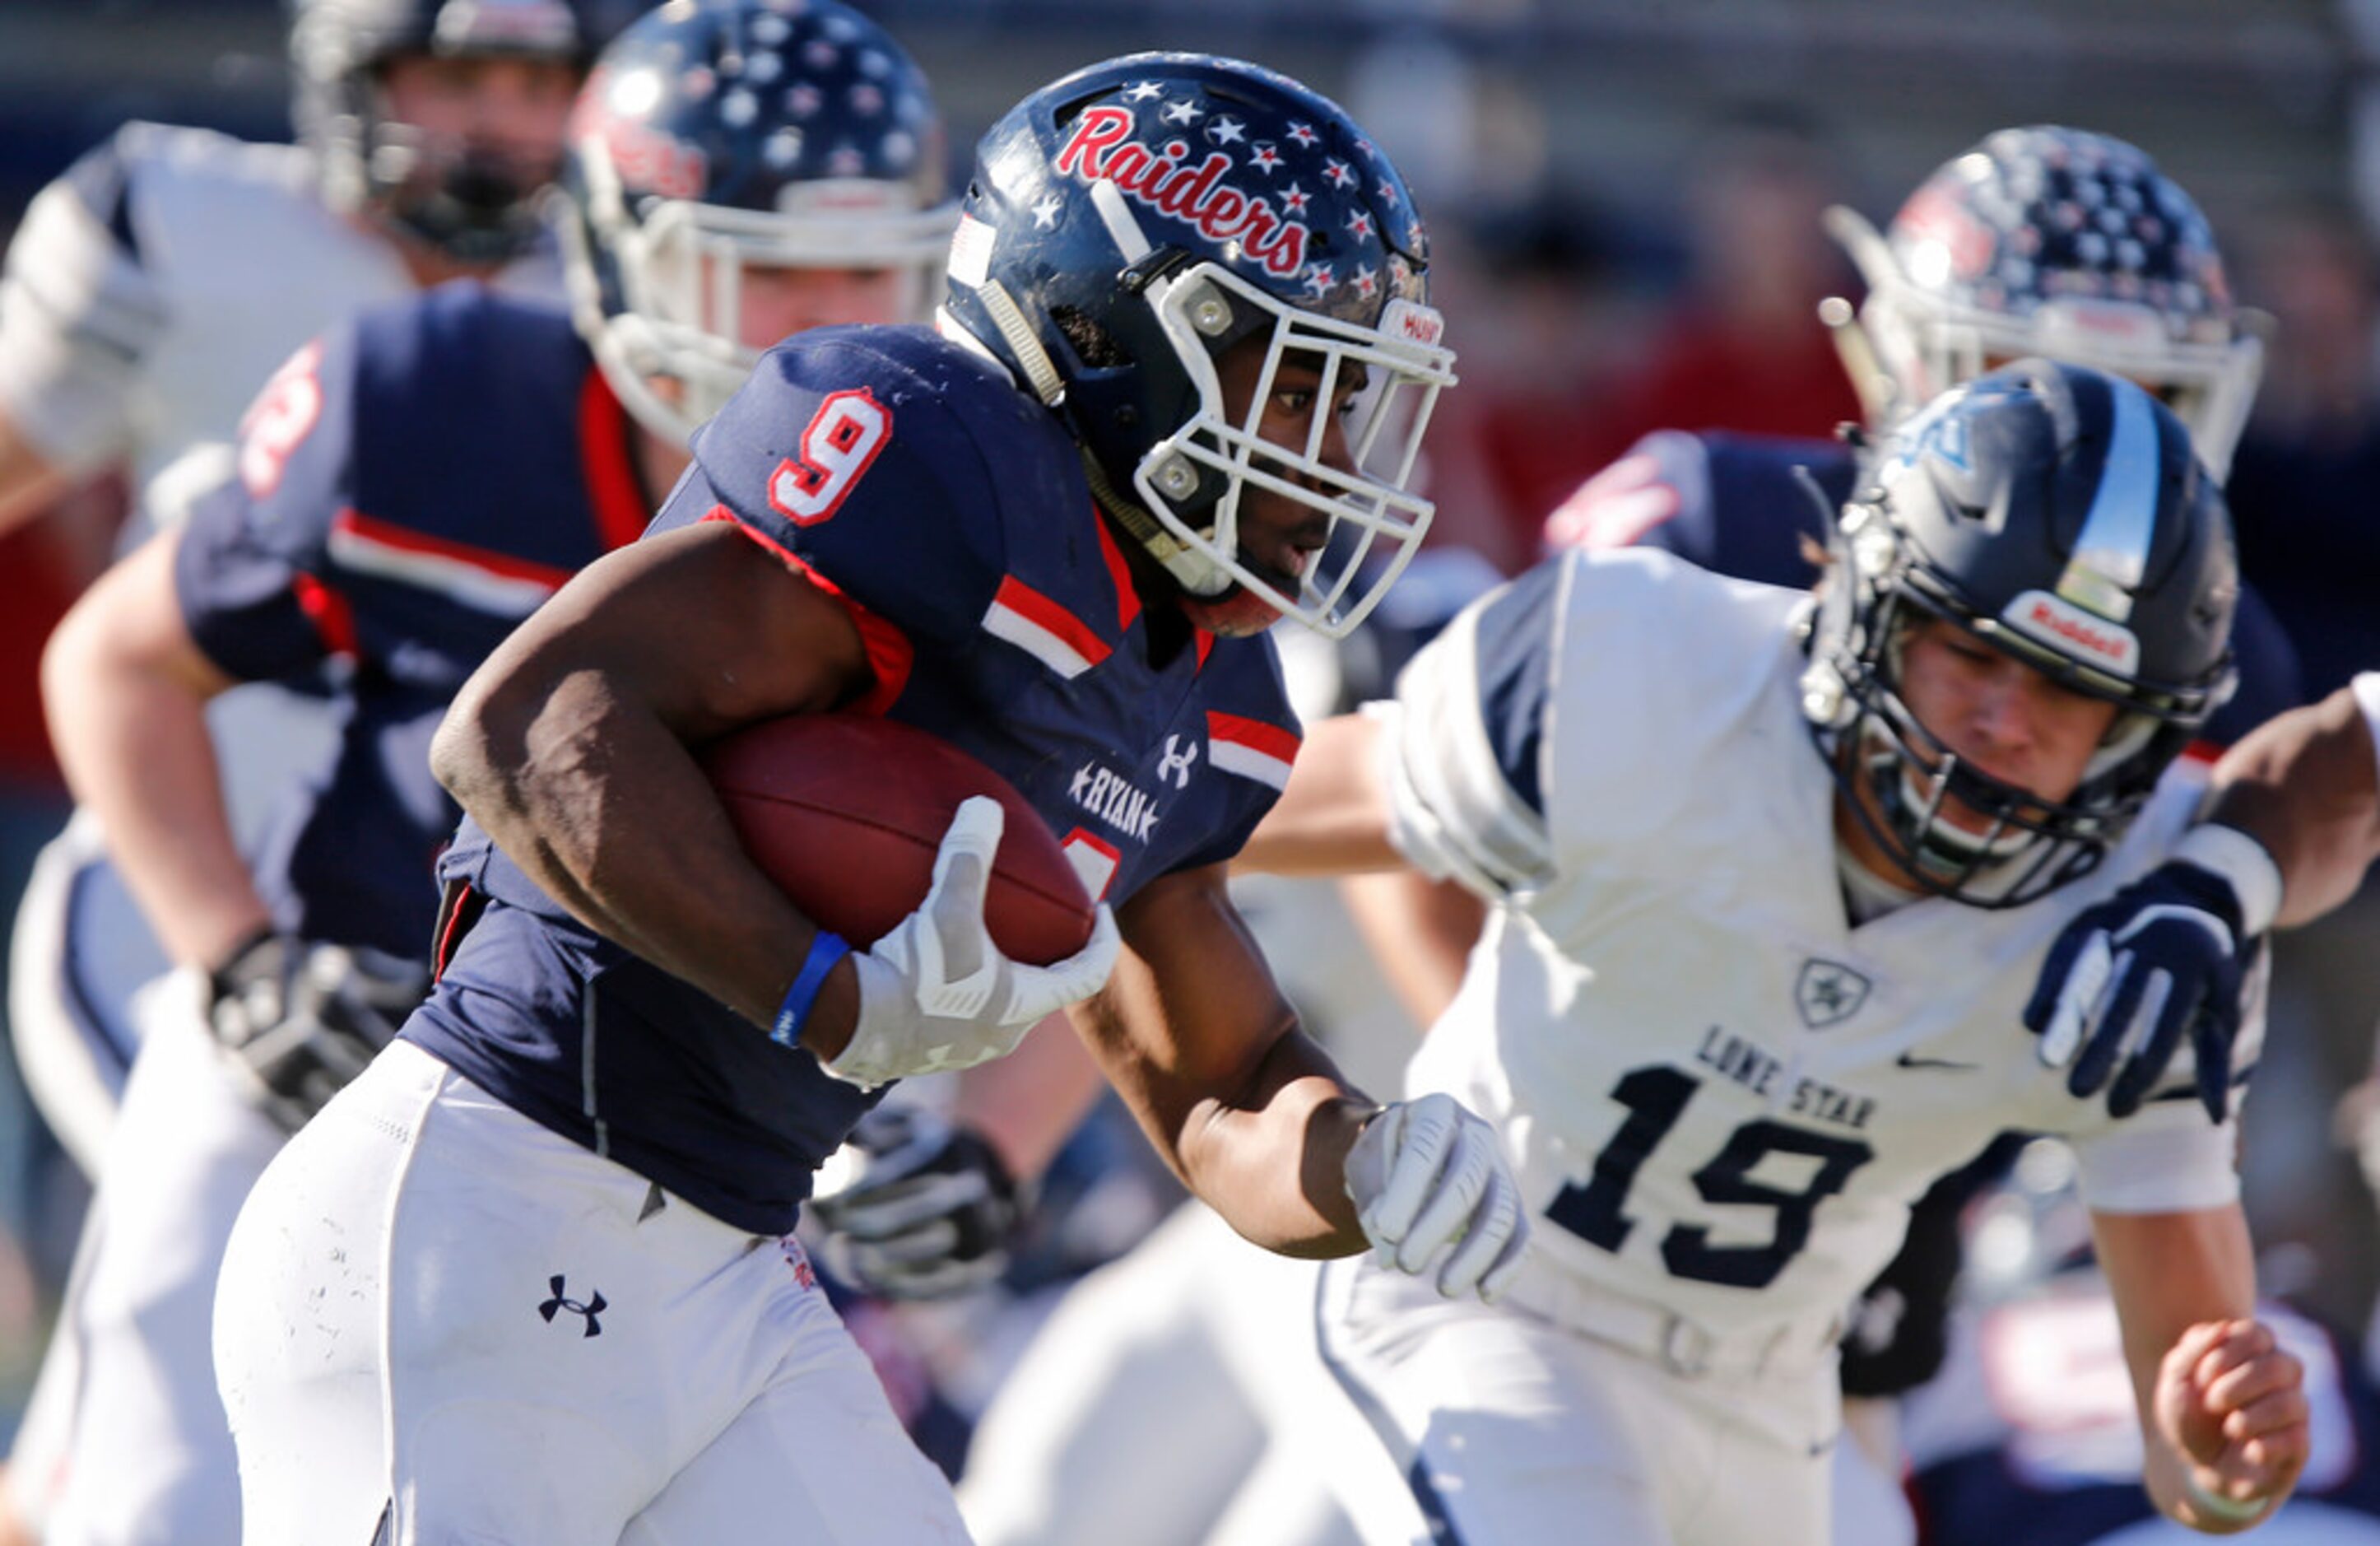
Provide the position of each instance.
(126, 1443)
(1512, 1430)
(434, 1302)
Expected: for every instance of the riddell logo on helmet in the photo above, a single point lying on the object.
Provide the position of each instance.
(2055, 621)
(1102, 146)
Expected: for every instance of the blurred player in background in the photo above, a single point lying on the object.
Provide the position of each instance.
(1774, 983)
(410, 488)
(1052, 534)
(148, 294)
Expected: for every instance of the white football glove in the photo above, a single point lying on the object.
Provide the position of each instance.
(1428, 1181)
(936, 993)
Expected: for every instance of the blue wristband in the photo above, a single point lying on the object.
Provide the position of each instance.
(825, 951)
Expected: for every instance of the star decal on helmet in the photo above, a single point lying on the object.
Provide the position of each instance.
(1360, 221)
(1365, 281)
(1388, 191)
(1265, 159)
(1141, 91)
(1227, 131)
(1303, 134)
(1294, 199)
(1339, 173)
(1319, 278)
(1183, 112)
(1045, 212)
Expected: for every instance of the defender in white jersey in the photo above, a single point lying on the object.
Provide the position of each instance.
(148, 294)
(1744, 994)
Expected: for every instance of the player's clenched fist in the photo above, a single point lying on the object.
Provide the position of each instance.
(2233, 1402)
(1427, 1181)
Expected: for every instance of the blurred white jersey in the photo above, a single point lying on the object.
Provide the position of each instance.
(1719, 1096)
(152, 289)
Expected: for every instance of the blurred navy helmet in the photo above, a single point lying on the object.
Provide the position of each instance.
(473, 202)
(719, 136)
(1128, 225)
(2066, 245)
(2053, 513)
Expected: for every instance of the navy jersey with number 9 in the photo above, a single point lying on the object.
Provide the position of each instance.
(948, 512)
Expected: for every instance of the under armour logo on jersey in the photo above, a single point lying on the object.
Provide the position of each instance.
(1174, 764)
(590, 1309)
(1828, 993)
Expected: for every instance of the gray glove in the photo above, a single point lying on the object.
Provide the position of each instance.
(1431, 1188)
(299, 1020)
(916, 1208)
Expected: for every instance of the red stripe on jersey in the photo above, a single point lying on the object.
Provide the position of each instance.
(2201, 751)
(609, 463)
(1206, 642)
(1047, 614)
(403, 539)
(1119, 570)
(889, 653)
(1254, 733)
(334, 620)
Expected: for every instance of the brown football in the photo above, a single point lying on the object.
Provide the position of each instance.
(845, 813)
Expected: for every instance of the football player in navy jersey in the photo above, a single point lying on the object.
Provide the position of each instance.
(408, 487)
(528, 1277)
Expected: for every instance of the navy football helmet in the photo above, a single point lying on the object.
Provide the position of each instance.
(2065, 245)
(474, 202)
(1128, 225)
(2056, 514)
(717, 136)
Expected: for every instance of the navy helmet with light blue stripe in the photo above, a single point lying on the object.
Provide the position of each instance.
(2055, 513)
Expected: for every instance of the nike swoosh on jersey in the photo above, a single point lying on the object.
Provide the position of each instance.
(1911, 1060)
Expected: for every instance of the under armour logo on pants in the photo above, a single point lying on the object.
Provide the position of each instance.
(590, 1309)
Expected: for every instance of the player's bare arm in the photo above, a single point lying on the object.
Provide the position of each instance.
(2306, 787)
(571, 746)
(1194, 1033)
(125, 688)
(2222, 1415)
(1333, 817)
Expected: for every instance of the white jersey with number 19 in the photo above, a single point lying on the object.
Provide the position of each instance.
(1720, 1096)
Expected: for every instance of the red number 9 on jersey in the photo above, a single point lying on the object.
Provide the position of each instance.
(842, 438)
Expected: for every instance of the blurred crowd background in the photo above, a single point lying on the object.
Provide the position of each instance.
(1625, 198)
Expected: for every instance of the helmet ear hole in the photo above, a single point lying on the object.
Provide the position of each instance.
(1092, 344)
